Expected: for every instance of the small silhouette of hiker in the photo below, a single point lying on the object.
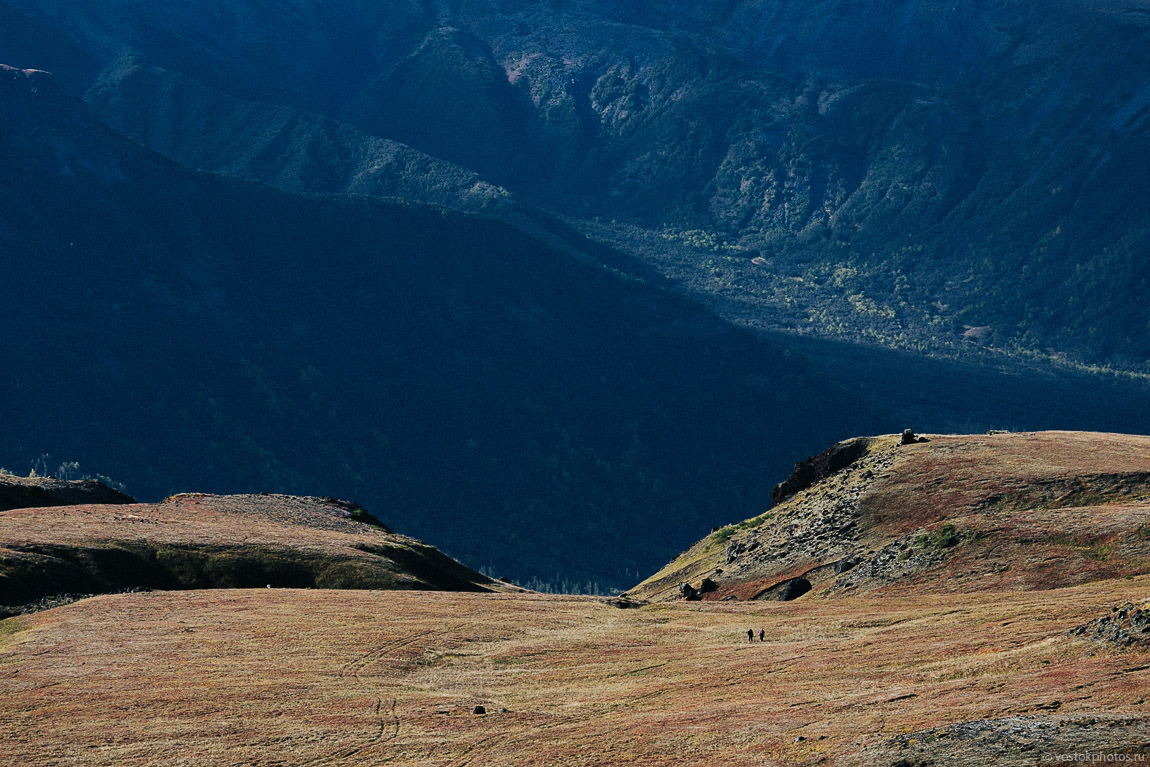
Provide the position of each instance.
(750, 635)
(762, 635)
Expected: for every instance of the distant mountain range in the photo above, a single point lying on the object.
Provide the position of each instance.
(901, 173)
(480, 266)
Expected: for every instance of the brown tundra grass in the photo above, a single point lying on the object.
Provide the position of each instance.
(312, 677)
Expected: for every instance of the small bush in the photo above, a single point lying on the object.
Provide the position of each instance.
(360, 514)
(724, 535)
(942, 538)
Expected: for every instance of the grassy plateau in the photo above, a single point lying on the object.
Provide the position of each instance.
(301, 677)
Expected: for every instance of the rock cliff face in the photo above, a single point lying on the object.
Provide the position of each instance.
(1003, 511)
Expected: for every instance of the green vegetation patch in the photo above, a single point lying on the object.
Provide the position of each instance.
(725, 534)
(943, 538)
(1086, 547)
(9, 628)
(360, 514)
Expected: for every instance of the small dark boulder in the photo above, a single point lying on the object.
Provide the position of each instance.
(845, 565)
(479, 710)
(910, 438)
(708, 586)
(688, 592)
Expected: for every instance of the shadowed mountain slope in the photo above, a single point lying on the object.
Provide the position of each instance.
(506, 395)
(955, 513)
(291, 149)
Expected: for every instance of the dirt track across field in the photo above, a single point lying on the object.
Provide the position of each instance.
(311, 677)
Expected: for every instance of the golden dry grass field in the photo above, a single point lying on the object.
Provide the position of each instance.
(315, 677)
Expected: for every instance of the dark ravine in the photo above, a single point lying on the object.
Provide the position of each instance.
(501, 387)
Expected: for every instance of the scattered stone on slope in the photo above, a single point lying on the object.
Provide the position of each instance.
(818, 525)
(1018, 740)
(910, 554)
(1126, 626)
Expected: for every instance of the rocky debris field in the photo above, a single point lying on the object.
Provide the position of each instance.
(1126, 626)
(1025, 740)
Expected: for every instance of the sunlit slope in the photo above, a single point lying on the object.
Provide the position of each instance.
(954, 513)
(365, 678)
(194, 541)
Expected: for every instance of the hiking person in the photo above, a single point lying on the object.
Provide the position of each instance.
(750, 635)
(762, 635)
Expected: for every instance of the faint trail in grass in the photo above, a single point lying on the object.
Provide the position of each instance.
(388, 725)
(638, 670)
(469, 754)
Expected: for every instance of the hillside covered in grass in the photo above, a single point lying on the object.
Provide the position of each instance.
(957, 513)
(197, 541)
(315, 677)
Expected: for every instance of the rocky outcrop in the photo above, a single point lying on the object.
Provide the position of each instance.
(29, 492)
(1126, 626)
(819, 467)
(1018, 740)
